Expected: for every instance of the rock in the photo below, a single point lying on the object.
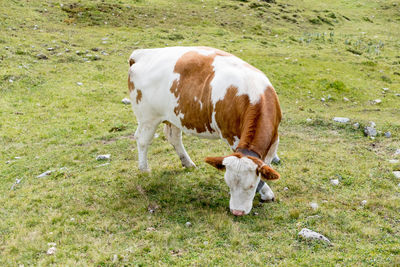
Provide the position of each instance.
(41, 56)
(370, 131)
(388, 135)
(285, 189)
(50, 49)
(103, 157)
(311, 235)
(356, 125)
(396, 174)
(79, 83)
(346, 99)
(104, 53)
(372, 124)
(363, 203)
(341, 119)
(51, 244)
(314, 205)
(397, 94)
(17, 181)
(150, 229)
(188, 224)
(205, 242)
(51, 251)
(335, 181)
(394, 161)
(397, 153)
(323, 99)
(376, 101)
(385, 89)
(46, 173)
(255, 213)
(126, 101)
(309, 120)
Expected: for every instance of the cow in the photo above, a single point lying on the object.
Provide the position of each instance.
(212, 94)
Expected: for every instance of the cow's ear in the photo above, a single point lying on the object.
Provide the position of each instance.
(267, 173)
(216, 162)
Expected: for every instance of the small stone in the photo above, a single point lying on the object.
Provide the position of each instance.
(388, 135)
(376, 101)
(104, 53)
(41, 56)
(156, 135)
(50, 49)
(79, 83)
(285, 189)
(397, 94)
(150, 229)
(311, 235)
(356, 125)
(394, 161)
(95, 49)
(255, 213)
(309, 120)
(46, 173)
(341, 119)
(51, 244)
(314, 205)
(188, 224)
(335, 181)
(346, 99)
(370, 131)
(397, 153)
(51, 251)
(323, 99)
(363, 203)
(372, 124)
(103, 157)
(205, 242)
(396, 174)
(385, 89)
(126, 101)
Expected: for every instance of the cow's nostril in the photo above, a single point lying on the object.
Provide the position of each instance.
(237, 212)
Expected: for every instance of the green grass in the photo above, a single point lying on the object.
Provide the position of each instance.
(100, 215)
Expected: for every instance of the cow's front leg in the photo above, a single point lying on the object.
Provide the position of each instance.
(265, 192)
(174, 136)
(144, 134)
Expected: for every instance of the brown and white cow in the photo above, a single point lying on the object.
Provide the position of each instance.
(212, 94)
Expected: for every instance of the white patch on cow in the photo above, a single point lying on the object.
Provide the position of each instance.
(235, 142)
(232, 71)
(240, 176)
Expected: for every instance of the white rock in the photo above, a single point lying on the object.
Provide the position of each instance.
(346, 99)
(188, 224)
(323, 99)
(51, 251)
(45, 174)
(394, 161)
(341, 119)
(103, 157)
(385, 89)
(356, 125)
(126, 101)
(311, 235)
(314, 205)
(397, 174)
(308, 120)
(397, 153)
(397, 94)
(79, 83)
(376, 101)
(363, 203)
(372, 124)
(388, 134)
(335, 181)
(285, 189)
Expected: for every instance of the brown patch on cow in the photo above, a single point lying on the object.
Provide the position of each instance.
(230, 114)
(138, 96)
(131, 85)
(260, 129)
(216, 162)
(193, 86)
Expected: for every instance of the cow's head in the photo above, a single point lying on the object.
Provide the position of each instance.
(242, 174)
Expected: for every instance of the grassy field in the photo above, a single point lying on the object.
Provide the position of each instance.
(63, 71)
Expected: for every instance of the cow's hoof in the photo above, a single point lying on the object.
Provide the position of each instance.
(267, 200)
(144, 170)
(188, 164)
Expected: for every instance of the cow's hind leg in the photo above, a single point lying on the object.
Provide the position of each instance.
(143, 135)
(174, 136)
